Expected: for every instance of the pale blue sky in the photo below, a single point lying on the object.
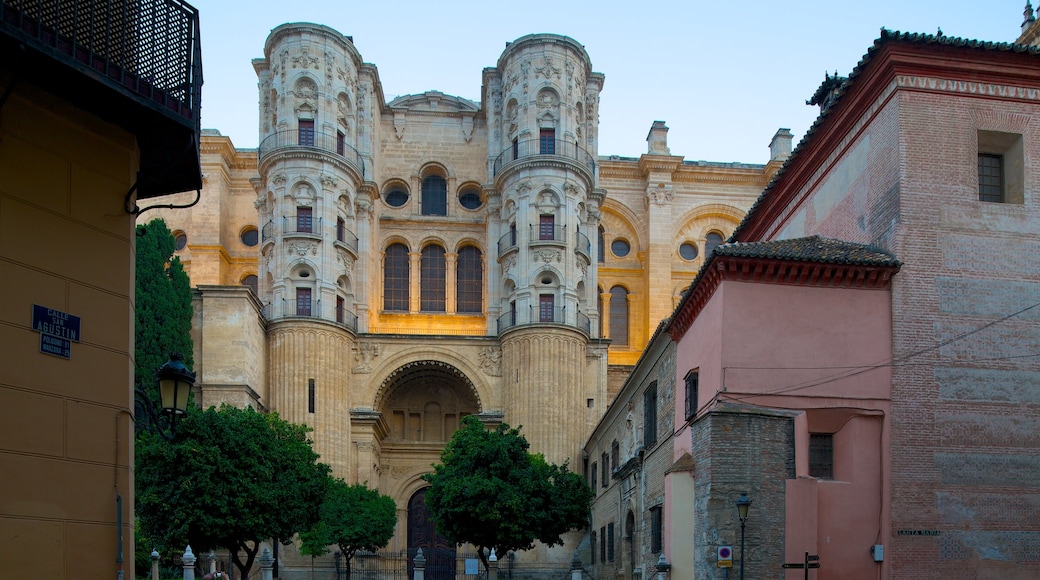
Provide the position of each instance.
(723, 75)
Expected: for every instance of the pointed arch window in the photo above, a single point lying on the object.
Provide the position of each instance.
(431, 294)
(619, 316)
(470, 281)
(434, 196)
(395, 278)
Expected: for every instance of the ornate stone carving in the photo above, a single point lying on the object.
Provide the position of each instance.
(660, 194)
(347, 263)
(491, 361)
(304, 195)
(400, 122)
(363, 208)
(570, 188)
(278, 178)
(305, 59)
(548, 70)
(467, 128)
(363, 355)
(303, 248)
(328, 181)
(509, 264)
(548, 256)
(547, 100)
(523, 187)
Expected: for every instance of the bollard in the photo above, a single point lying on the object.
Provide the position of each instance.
(663, 568)
(492, 566)
(266, 565)
(576, 569)
(212, 561)
(155, 564)
(188, 561)
(420, 566)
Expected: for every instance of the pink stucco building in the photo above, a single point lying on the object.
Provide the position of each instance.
(860, 358)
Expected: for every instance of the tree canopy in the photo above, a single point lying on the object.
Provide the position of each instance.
(162, 305)
(353, 517)
(231, 478)
(490, 491)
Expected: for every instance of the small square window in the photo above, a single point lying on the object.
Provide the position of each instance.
(821, 455)
(1001, 167)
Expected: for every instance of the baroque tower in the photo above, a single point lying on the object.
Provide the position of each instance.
(542, 104)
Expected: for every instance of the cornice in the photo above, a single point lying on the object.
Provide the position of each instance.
(649, 163)
(752, 175)
(773, 271)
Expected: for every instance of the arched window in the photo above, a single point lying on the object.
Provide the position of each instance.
(619, 316)
(710, 242)
(431, 294)
(250, 281)
(434, 196)
(395, 278)
(469, 281)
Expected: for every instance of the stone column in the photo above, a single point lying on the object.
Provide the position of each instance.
(420, 566)
(451, 259)
(266, 565)
(414, 287)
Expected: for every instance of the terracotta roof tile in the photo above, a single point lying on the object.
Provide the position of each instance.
(810, 249)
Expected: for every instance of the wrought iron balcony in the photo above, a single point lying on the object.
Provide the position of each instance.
(135, 63)
(296, 225)
(544, 149)
(546, 233)
(536, 315)
(583, 246)
(507, 242)
(330, 144)
(285, 308)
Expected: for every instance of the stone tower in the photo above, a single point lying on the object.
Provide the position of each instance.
(311, 210)
(542, 118)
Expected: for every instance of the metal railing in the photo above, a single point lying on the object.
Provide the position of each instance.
(507, 242)
(583, 246)
(547, 233)
(292, 225)
(542, 147)
(323, 141)
(287, 308)
(346, 237)
(535, 315)
(149, 48)
(267, 232)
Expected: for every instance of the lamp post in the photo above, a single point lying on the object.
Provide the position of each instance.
(743, 504)
(175, 383)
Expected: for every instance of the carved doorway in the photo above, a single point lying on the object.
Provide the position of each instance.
(438, 550)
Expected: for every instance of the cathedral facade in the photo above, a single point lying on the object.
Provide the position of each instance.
(380, 269)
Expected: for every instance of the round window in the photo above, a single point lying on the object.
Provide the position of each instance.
(179, 241)
(396, 198)
(620, 247)
(470, 199)
(688, 251)
(249, 237)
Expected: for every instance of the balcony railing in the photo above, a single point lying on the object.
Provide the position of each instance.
(583, 246)
(332, 144)
(346, 237)
(294, 225)
(147, 51)
(267, 232)
(285, 308)
(541, 233)
(536, 315)
(507, 242)
(542, 147)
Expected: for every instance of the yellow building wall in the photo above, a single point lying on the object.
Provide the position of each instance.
(66, 243)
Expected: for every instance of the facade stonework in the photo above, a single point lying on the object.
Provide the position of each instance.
(422, 259)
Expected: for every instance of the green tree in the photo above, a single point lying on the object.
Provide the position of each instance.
(230, 479)
(353, 517)
(162, 305)
(490, 491)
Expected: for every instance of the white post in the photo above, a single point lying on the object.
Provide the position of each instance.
(420, 566)
(576, 567)
(188, 561)
(212, 561)
(266, 565)
(155, 565)
(492, 566)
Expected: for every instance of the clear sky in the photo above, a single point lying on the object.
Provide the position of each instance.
(723, 75)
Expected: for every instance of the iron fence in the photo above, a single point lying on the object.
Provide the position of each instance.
(545, 147)
(333, 144)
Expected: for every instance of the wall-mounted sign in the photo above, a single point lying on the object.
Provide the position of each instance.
(58, 330)
(725, 557)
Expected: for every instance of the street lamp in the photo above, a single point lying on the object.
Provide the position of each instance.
(743, 504)
(175, 383)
